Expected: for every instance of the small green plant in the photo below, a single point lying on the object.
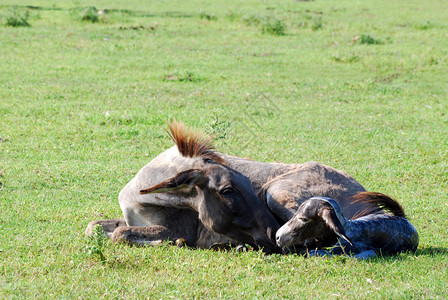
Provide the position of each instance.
(208, 17)
(317, 24)
(348, 60)
(97, 243)
(217, 127)
(182, 77)
(273, 26)
(433, 61)
(17, 18)
(251, 20)
(367, 39)
(427, 25)
(90, 14)
(231, 16)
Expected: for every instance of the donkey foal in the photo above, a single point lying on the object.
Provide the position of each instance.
(372, 232)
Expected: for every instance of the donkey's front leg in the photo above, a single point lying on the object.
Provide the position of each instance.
(150, 236)
(108, 226)
(281, 203)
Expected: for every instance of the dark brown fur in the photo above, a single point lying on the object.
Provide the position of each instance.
(226, 204)
(378, 204)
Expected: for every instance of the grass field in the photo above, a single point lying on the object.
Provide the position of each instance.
(358, 85)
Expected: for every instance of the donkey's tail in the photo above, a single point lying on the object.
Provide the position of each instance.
(378, 204)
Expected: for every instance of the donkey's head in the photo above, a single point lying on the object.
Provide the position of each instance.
(317, 218)
(225, 201)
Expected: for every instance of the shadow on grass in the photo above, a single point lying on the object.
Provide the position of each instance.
(429, 250)
(425, 251)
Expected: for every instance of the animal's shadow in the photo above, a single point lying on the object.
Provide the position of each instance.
(431, 251)
(420, 252)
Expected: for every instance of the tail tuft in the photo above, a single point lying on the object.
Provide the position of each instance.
(378, 204)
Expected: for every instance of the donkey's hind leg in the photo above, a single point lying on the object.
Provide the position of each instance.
(150, 236)
(108, 226)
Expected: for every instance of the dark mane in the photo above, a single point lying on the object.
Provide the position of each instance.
(378, 203)
(192, 143)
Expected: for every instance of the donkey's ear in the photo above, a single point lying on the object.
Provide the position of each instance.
(184, 182)
(331, 219)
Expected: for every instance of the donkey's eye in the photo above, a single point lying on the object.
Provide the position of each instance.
(304, 220)
(227, 190)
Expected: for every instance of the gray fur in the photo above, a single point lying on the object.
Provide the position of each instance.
(287, 184)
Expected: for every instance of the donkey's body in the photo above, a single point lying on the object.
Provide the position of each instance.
(280, 187)
(382, 233)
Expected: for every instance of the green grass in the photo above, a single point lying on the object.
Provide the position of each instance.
(83, 107)
(17, 17)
